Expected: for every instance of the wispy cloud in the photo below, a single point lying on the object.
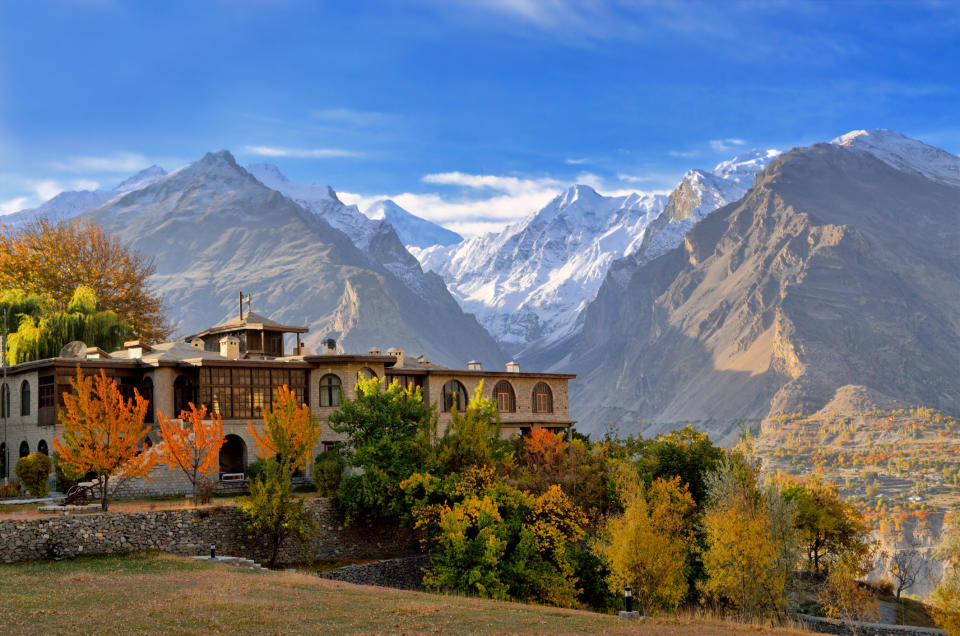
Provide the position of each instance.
(300, 153)
(576, 162)
(14, 205)
(117, 162)
(510, 185)
(683, 154)
(726, 145)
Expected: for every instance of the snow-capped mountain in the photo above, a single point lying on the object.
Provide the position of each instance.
(412, 230)
(532, 280)
(529, 284)
(904, 153)
(67, 205)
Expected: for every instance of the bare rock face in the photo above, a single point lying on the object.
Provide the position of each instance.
(835, 269)
(214, 230)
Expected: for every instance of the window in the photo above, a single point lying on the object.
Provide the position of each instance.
(330, 387)
(542, 398)
(503, 392)
(25, 398)
(5, 401)
(42, 447)
(45, 392)
(454, 395)
(24, 449)
(146, 392)
(238, 393)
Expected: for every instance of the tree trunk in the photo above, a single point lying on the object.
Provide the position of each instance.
(104, 494)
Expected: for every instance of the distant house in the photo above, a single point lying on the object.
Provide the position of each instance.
(233, 369)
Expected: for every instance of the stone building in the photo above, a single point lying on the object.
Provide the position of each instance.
(233, 369)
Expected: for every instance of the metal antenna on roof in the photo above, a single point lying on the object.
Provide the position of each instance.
(241, 305)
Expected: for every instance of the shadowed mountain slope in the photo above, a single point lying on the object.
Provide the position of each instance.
(835, 269)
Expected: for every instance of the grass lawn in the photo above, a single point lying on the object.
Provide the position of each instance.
(151, 593)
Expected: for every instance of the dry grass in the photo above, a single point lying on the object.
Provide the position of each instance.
(151, 593)
(30, 511)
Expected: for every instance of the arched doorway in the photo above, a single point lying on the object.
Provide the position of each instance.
(42, 447)
(146, 392)
(3, 459)
(233, 456)
(24, 448)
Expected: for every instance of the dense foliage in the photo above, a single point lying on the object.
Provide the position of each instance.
(33, 471)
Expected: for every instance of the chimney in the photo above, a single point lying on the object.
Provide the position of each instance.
(473, 365)
(374, 351)
(328, 347)
(136, 348)
(398, 354)
(197, 343)
(513, 367)
(230, 347)
(423, 361)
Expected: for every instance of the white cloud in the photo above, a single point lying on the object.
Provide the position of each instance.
(575, 162)
(685, 155)
(13, 205)
(510, 185)
(300, 153)
(117, 162)
(726, 145)
(352, 117)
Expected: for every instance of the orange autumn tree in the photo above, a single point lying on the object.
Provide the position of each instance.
(103, 433)
(192, 444)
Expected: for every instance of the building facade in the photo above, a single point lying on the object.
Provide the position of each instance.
(233, 369)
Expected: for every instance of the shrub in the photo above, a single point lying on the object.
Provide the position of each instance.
(9, 490)
(256, 470)
(327, 472)
(33, 471)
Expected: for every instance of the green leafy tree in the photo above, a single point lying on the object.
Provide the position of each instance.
(829, 526)
(389, 434)
(33, 471)
(685, 453)
(473, 438)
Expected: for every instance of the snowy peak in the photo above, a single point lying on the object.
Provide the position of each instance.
(141, 180)
(413, 230)
(743, 168)
(904, 153)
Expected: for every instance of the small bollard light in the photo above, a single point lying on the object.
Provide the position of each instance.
(628, 598)
(213, 552)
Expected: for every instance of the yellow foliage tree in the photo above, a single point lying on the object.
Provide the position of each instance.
(103, 433)
(843, 596)
(290, 431)
(945, 598)
(647, 546)
(192, 444)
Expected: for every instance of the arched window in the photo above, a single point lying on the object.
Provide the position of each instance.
(146, 392)
(3, 459)
(330, 386)
(542, 398)
(42, 447)
(454, 395)
(184, 392)
(367, 373)
(25, 398)
(24, 448)
(5, 401)
(233, 455)
(506, 400)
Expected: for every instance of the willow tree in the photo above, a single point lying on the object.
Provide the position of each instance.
(41, 335)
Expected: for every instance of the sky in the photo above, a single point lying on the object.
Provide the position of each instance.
(471, 114)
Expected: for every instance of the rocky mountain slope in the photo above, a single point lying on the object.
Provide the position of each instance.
(839, 267)
(214, 229)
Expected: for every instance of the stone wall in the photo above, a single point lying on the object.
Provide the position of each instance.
(192, 532)
(405, 573)
(830, 626)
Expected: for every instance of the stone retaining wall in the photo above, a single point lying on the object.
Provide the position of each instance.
(830, 626)
(192, 532)
(404, 573)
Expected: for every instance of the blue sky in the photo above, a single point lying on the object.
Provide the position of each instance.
(469, 113)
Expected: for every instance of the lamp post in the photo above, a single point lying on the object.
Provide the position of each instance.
(628, 598)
